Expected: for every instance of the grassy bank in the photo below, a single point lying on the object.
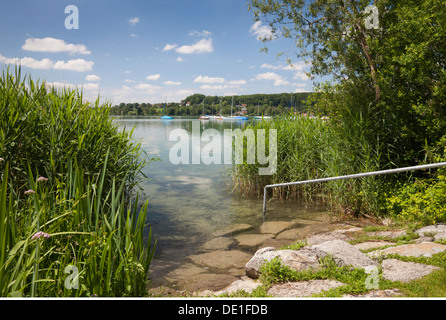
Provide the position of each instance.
(68, 224)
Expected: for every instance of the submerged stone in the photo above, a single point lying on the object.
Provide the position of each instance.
(235, 228)
(275, 227)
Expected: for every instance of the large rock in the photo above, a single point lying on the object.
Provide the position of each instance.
(298, 260)
(345, 254)
(245, 284)
(424, 249)
(397, 270)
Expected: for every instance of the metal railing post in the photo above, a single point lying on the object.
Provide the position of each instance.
(357, 175)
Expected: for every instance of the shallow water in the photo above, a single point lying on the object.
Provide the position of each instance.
(188, 202)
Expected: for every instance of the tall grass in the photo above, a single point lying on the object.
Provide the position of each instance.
(68, 224)
(103, 240)
(310, 148)
(45, 127)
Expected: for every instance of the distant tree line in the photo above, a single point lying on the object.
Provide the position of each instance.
(251, 105)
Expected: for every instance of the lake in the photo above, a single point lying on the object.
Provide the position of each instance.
(189, 202)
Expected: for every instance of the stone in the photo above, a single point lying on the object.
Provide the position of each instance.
(219, 243)
(345, 254)
(245, 283)
(388, 293)
(275, 227)
(186, 270)
(235, 228)
(341, 234)
(424, 249)
(290, 234)
(221, 259)
(392, 234)
(303, 288)
(252, 240)
(299, 260)
(438, 231)
(397, 270)
(372, 245)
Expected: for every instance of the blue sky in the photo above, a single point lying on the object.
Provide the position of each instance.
(148, 51)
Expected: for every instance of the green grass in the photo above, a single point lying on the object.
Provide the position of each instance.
(68, 173)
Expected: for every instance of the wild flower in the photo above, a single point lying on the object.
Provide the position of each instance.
(30, 191)
(40, 234)
(1, 159)
(42, 179)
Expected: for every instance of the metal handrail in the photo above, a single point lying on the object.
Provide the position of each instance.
(350, 176)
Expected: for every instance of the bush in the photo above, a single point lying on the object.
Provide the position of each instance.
(423, 200)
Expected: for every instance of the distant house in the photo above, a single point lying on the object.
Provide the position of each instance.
(188, 104)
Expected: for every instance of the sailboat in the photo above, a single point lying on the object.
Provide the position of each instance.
(204, 117)
(237, 118)
(162, 114)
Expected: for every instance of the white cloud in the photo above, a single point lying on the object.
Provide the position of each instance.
(90, 86)
(278, 79)
(46, 64)
(217, 87)
(217, 83)
(133, 21)
(206, 79)
(53, 45)
(92, 77)
(128, 81)
(132, 35)
(262, 32)
(201, 46)
(145, 86)
(153, 77)
(179, 59)
(301, 76)
(28, 62)
(79, 65)
(172, 83)
(62, 85)
(237, 82)
(169, 46)
(203, 34)
(292, 67)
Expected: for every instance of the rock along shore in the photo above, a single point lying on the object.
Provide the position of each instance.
(229, 251)
(335, 244)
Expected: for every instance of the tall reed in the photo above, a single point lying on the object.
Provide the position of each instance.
(311, 148)
(44, 127)
(69, 222)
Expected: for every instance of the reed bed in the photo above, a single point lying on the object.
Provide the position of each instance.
(69, 226)
(310, 148)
